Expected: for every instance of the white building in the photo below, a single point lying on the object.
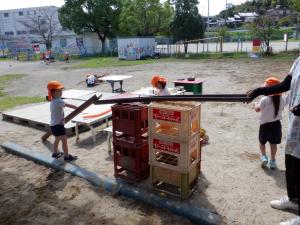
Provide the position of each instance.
(18, 36)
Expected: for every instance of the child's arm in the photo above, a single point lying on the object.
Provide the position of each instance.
(71, 106)
(256, 107)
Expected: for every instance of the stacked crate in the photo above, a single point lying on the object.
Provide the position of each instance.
(130, 141)
(174, 146)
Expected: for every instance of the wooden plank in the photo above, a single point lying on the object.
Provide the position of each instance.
(74, 113)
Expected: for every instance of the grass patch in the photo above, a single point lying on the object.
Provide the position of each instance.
(7, 102)
(4, 59)
(282, 56)
(5, 79)
(99, 62)
(10, 101)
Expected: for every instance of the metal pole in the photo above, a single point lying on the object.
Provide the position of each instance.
(207, 16)
(199, 98)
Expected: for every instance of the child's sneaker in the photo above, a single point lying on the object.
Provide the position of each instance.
(272, 164)
(57, 155)
(295, 221)
(70, 158)
(284, 203)
(264, 161)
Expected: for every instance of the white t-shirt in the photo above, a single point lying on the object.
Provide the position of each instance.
(163, 92)
(293, 133)
(268, 110)
(57, 112)
(91, 79)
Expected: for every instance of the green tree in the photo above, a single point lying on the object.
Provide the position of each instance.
(187, 24)
(295, 4)
(263, 27)
(145, 17)
(97, 16)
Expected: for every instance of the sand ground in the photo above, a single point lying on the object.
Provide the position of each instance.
(232, 183)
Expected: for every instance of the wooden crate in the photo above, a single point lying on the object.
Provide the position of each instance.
(175, 183)
(174, 119)
(172, 154)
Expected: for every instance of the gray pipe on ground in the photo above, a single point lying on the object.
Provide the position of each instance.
(195, 214)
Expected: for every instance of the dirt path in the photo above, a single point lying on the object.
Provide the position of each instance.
(232, 182)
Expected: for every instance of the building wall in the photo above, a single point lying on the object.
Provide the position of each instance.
(135, 48)
(17, 36)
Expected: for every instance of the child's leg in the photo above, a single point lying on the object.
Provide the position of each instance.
(55, 144)
(65, 145)
(273, 151)
(262, 149)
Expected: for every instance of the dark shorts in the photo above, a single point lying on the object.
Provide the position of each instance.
(58, 130)
(270, 132)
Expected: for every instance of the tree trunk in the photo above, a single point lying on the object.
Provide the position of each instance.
(103, 47)
(102, 39)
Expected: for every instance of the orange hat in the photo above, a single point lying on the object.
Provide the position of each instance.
(53, 85)
(156, 79)
(270, 81)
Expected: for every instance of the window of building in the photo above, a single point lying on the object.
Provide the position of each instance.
(43, 21)
(32, 32)
(34, 12)
(63, 43)
(28, 13)
(6, 14)
(8, 33)
(21, 32)
(21, 13)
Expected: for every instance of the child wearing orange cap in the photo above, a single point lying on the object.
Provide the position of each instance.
(160, 83)
(270, 108)
(58, 119)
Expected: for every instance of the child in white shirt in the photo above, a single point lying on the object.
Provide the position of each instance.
(270, 108)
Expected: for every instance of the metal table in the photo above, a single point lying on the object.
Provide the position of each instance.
(113, 79)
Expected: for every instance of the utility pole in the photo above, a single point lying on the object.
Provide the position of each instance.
(207, 16)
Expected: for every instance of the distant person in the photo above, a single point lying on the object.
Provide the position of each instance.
(292, 147)
(58, 120)
(160, 83)
(47, 58)
(270, 108)
(51, 56)
(66, 57)
(90, 80)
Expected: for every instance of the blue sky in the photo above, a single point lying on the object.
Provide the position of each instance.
(215, 5)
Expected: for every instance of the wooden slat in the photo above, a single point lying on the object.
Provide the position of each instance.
(74, 113)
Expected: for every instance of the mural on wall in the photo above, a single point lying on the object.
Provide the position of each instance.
(134, 49)
(73, 46)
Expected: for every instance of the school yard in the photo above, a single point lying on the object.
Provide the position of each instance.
(232, 183)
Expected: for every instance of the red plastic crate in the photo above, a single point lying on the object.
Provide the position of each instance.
(130, 119)
(131, 159)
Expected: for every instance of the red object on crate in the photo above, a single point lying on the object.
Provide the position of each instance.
(131, 120)
(131, 159)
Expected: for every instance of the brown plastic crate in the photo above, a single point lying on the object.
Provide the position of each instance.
(130, 119)
(131, 159)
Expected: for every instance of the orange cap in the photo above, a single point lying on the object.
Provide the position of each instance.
(53, 85)
(270, 81)
(156, 78)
